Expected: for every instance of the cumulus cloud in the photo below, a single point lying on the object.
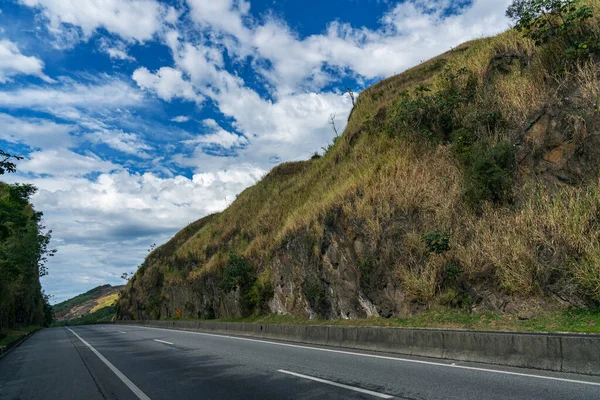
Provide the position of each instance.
(13, 63)
(132, 20)
(106, 225)
(218, 136)
(167, 83)
(410, 32)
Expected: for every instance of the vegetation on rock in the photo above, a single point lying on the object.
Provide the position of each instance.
(470, 182)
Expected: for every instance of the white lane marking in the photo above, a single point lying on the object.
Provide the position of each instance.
(121, 332)
(162, 341)
(437, 364)
(136, 390)
(356, 389)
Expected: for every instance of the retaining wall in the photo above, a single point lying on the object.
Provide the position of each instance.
(576, 353)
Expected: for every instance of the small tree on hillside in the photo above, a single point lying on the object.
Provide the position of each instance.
(545, 20)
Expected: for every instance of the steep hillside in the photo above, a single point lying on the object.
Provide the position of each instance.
(87, 303)
(470, 181)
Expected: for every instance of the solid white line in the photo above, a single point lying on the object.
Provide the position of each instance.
(356, 389)
(437, 364)
(136, 390)
(162, 341)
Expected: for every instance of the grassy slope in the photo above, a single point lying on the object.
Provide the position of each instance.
(11, 336)
(89, 302)
(373, 176)
(81, 298)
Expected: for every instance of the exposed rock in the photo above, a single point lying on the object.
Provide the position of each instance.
(526, 316)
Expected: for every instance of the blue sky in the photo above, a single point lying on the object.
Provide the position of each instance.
(137, 117)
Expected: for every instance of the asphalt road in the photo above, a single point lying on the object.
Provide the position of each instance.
(130, 362)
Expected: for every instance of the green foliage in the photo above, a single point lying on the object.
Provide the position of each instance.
(315, 292)
(239, 274)
(432, 115)
(437, 242)
(259, 295)
(490, 171)
(48, 311)
(23, 255)
(453, 271)
(547, 20)
(438, 117)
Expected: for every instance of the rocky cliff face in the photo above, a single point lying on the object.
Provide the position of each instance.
(470, 181)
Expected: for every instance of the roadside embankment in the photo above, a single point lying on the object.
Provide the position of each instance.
(574, 353)
(14, 338)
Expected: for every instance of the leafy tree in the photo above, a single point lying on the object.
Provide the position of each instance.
(6, 165)
(545, 20)
(23, 254)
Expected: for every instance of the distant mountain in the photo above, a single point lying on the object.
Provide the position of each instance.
(89, 302)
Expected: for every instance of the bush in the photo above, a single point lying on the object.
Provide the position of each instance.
(433, 115)
(315, 292)
(548, 20)
(437, 242)
(490, 172)
(239, 273)
(260, 293)
(255, 293)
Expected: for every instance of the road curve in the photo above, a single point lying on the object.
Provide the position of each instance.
(140, 363)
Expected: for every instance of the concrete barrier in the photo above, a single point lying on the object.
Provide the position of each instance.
(574, 353)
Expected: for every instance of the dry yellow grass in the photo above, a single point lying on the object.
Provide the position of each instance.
(105, 301)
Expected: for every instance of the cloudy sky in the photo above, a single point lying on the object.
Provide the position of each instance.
(137, 117)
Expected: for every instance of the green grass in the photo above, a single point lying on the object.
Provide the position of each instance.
(11, 336)
(573, 320)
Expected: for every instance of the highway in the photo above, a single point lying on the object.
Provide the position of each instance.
(139, 363)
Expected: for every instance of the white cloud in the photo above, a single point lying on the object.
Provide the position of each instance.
(111, 93)
(116, 50)
(129, 143)
(133, 20)
(13, 63)
(63, 162)
(410, 32)
(180, 118)
(35, 132)
(167, 83)
(218, 136)
(106, 225)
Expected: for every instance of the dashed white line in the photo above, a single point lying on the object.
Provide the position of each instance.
(162, 341)
(136, 390)
(438, 364)
(121, 331)
(354, 388)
